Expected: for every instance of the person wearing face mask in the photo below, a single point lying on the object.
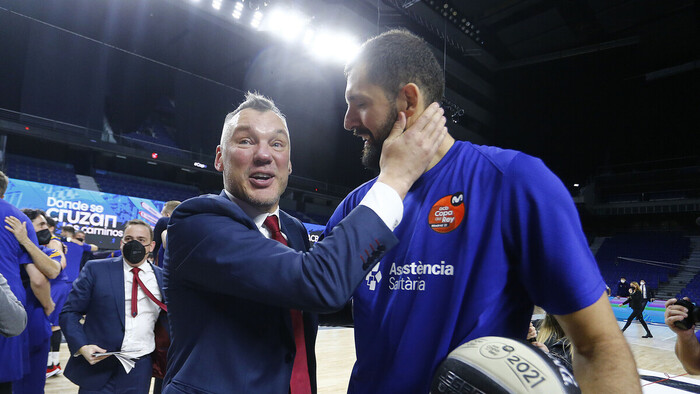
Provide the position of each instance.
(622, 288)
(121, 299)
(15, 264)
(38, 313)
(647, 293)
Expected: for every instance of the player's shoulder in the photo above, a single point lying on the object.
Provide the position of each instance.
(359, 192)
(500, 158)
(7, 209)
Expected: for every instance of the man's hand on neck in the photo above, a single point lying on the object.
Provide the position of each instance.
(407, 154)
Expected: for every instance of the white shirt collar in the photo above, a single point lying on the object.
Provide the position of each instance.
(255, 214)
(145, 267)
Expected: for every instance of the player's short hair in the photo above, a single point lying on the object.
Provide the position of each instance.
(398, 57)
(169, 207)
(4, 181)
(32, 213)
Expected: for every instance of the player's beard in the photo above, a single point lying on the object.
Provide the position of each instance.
(372, 151)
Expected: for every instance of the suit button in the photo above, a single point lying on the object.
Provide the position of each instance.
(288, 358)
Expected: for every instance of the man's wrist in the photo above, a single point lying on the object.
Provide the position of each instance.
(395, 183)
(686, 335)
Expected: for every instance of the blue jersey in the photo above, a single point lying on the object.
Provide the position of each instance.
(13, 351)
(55, 255)
(486, 233)
(74, 254)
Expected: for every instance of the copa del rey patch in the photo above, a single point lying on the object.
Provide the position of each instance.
(447, 213)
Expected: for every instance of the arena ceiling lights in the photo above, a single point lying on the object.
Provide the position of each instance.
(293, 26)
(323, 43)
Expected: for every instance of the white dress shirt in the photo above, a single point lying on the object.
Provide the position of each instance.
(139, 339)
(255, 214)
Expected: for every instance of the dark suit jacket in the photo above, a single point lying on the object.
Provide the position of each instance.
(98, 293)
(229, 291)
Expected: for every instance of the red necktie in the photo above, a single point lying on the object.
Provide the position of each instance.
(134, 294)
(300, 383)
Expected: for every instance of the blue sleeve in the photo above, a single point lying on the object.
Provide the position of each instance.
(25, 258)
(86, 247)
(543, 235)
(346, 206)
(52, 253)
(697, 335)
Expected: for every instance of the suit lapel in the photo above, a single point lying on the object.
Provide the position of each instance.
(116, 273)
(159, 278)
(290, 230)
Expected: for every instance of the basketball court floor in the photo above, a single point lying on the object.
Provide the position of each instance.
(660, 370)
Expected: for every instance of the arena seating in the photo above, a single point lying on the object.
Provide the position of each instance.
(692, 290)
(661, 252)
(154, 139)
(44, 171)
(129, 185)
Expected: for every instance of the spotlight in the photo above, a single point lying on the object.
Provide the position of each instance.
(288, 24)
(216, 4)
(237, 10)
(333, 46)
(309, 37)
(257, 18)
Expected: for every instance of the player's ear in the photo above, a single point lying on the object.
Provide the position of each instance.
(410, 100)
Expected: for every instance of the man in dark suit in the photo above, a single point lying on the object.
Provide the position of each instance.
(121, 300)
(242, 304)
(647, 293)
(623, 288)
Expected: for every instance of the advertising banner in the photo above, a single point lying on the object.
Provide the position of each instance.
(101, 216)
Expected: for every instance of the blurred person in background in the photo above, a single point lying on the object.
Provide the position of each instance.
(637, 304)
(120, 300)
(160, 231)
(622, 288)
(48, 261)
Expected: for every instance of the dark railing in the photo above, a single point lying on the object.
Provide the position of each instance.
(31, 125)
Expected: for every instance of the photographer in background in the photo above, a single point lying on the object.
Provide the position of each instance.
(687, 341)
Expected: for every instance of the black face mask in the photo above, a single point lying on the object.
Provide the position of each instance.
(134, 251)
(43, 236)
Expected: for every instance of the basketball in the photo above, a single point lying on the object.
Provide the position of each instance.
(501, 365)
